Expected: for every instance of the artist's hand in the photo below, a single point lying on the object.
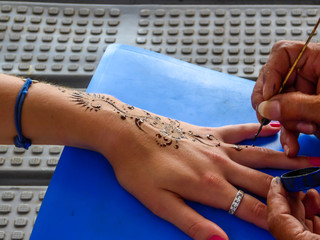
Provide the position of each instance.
(298, 109)
(293, 216)
(196, 168)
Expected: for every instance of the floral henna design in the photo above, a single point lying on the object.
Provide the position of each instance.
(168, 133)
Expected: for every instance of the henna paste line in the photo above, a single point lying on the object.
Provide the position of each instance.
(167, 132)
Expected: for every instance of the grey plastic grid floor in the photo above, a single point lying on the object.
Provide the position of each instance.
(63, 43)
(24, 177)
(19, 207)
(66, 41)
(28, 167)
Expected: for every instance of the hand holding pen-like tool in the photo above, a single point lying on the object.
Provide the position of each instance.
(267, 121)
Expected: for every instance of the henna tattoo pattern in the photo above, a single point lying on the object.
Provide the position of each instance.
(168, 133)
(239, 147)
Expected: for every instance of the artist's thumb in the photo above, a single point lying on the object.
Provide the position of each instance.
(293, 106)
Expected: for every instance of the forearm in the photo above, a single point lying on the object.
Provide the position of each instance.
(52, 115)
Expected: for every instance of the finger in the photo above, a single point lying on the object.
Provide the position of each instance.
(296, 206)
(252, 210)
(281, 58)
(316, 225)
(291, 106)
(244, 177)
(309, 225)
(238, 133)
(215, 191)
(289, 142)
(257, 94)
(281, 224)
(173, 209)
(304, 83)
(272, 74)
(311, 203)
(300, 126)
(259, 157)
(277, 199)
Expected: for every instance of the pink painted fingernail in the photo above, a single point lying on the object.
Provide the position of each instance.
(275, 124)
(315, 161)
(215, 237)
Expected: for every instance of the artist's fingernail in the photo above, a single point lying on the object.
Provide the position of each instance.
(216, 237)
(275, 124)
(307, 128)
(276, 180)
(315, 161)
(270, 109)
(286, 149)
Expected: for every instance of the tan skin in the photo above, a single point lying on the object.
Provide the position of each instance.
(160, 177)
(298, 107)
(291, 216)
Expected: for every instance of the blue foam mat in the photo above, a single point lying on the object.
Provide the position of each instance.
(84, 199)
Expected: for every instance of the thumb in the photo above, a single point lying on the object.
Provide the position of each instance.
(278, 208)
(282, 224)
(295, 106)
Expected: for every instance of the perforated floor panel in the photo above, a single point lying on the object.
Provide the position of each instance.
(63, 43)
(19, 207)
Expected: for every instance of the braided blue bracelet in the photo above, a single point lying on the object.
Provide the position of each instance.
(21, 141)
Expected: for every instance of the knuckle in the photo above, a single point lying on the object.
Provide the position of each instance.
(213, 180)
(217, 158)
(280, 45)
(300, 108)
(285, 45)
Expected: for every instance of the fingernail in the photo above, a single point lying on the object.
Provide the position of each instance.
(307, 128)
(315, 161)
(215, 237)
(275, 124)
(276, 180)
(286, 150)
(270, 109)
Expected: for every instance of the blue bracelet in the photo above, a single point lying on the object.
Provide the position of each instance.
(21, 141)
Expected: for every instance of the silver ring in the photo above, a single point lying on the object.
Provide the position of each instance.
(236, 202)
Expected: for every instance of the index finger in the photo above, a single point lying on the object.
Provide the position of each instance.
(282, 57)
(274, 71)
(256, 96)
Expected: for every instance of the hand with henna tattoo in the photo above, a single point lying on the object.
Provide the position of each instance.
(161, 161)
